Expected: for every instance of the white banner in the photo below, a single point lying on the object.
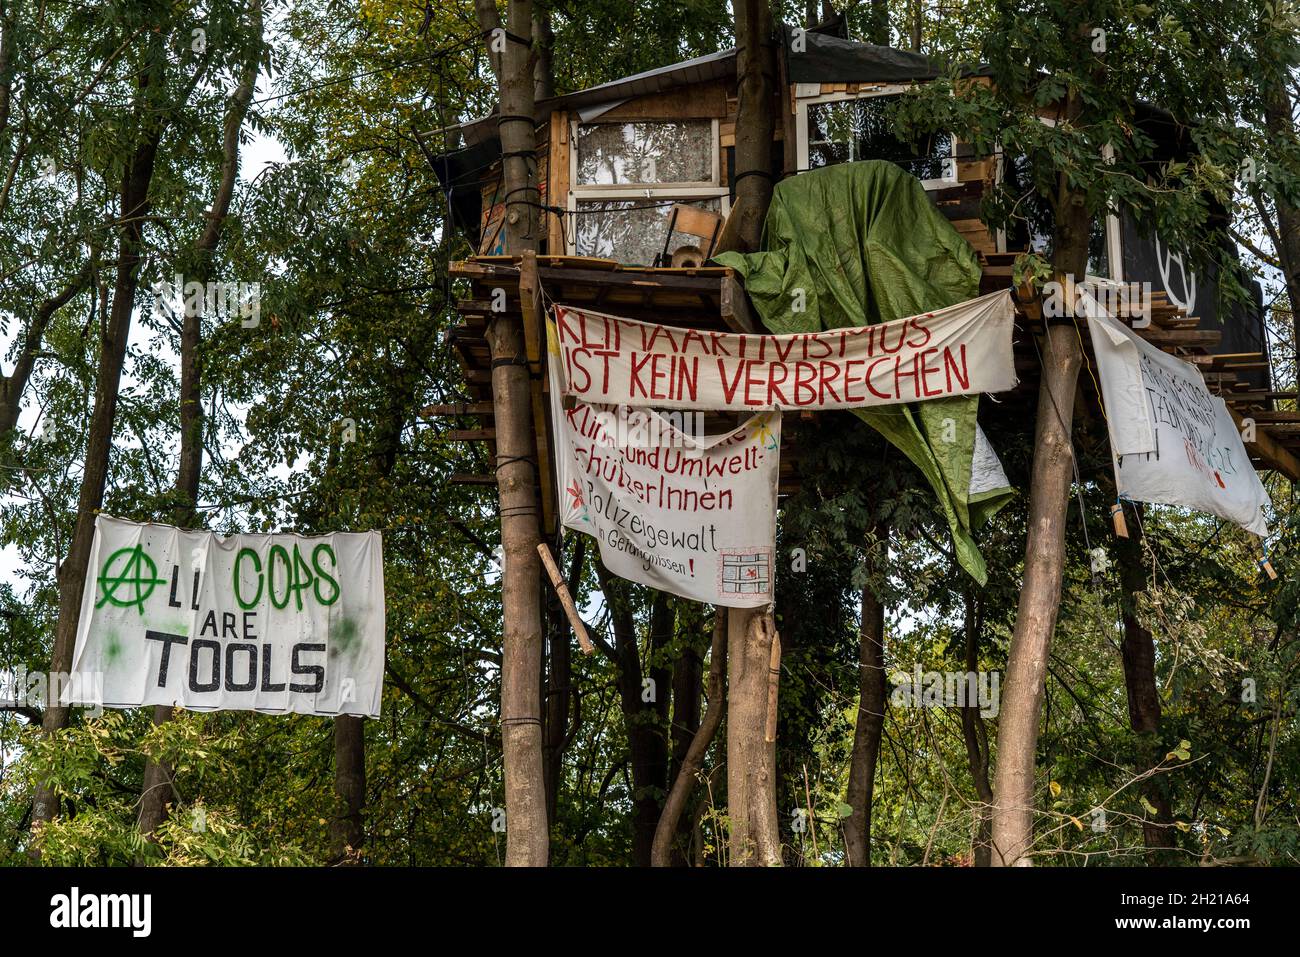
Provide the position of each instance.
(1172, 441)
(961, 350)
(669, 507)
(270, 623)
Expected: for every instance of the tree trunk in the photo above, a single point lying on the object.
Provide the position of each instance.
(134, 208)
(688, 679)
(867, 732)
(1281, 129)
(751, 760)
(976, 740)
(544, 67)
(1049, 495)
(878, 25)
(559, 683)
(1139, 655)
(664, 853)
(347, 829)
(521, 647)
(1040, 598)
(13, 385)
(156, 791)
(755, 123)
(644, 705)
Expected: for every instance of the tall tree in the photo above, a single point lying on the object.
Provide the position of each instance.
(869, 725)
(156, 791)
(516, 467)
(151, 105)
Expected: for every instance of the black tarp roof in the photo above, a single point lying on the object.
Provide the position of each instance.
(820, 58)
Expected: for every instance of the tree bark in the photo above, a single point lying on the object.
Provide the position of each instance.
(521, 647)
(976, 740)
(755, 123)
(134, 207)
(347, 829)
(156, 791)
(867, 731)
(663, 852)
(751, 761)
(1138, 652)
(1281, 129)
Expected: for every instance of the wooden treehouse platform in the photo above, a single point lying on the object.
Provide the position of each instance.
(713, 298)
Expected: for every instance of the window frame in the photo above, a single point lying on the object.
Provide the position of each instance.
(804, 98)
(1114, 237)
(624, 192)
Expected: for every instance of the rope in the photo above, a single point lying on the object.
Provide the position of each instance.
(504, 460)
(512, 37)
(510, 722)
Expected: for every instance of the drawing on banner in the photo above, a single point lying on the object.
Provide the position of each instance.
(746, 572)
(1173, 442)
(693, 515)
(269, 623)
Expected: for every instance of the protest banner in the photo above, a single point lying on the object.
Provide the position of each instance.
(688, 514)
(961, 350)
(269, 623)
(1173, 442)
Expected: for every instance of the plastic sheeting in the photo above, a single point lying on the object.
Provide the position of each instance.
(860, 243)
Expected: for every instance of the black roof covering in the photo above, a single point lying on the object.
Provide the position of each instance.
(831, 59)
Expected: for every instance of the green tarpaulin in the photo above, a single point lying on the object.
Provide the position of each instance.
(860, 243)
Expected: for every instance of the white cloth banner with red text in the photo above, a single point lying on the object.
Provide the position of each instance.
(669, 507)
(961, 350)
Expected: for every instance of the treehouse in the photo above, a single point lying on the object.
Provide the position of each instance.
(637, 178)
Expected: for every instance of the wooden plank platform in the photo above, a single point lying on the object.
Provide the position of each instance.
(713, 298)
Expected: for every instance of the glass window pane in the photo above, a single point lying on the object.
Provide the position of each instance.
(632, 230)
(861, 130)
(614, 153)
(1033, 223)
(1098, 255)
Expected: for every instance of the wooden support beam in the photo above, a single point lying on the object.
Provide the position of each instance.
(530, 300)
(735, 307)
(1180, 337)
(1270, 450)
(456, 408)
(469, 435)
(460, 478)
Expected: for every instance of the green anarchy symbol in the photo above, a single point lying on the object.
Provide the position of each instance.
(139, 571)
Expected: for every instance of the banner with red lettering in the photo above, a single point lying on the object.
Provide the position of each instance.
(670, 507)
(961, 350)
